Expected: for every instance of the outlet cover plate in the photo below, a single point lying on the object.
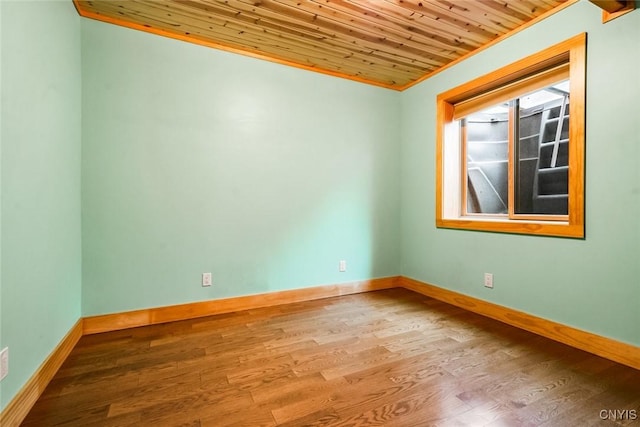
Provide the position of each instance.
(4, 363)
(488, 280)
(206, 279)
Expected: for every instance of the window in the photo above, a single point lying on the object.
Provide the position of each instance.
(510, 147)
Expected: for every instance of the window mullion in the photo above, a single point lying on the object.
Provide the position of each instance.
(511, 155)
(463, 168)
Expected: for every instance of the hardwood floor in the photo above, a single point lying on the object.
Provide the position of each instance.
(386, 358)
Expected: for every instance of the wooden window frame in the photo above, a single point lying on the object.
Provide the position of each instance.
(449, 147)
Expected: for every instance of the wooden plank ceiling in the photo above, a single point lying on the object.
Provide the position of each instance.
(390, 43)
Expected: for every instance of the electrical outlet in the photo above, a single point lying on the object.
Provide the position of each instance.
(488, 280)
(4, 363)
(206, 279)
(342, 266)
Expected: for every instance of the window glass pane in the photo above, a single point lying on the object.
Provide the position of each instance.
(487, 148)
(542, 147)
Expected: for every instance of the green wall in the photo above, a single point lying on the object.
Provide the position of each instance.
(41, 130)
(197, 160)
(592, 284)
(1, 340)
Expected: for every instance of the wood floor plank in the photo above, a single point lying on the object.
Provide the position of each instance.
(388, 358)
(287, 390)
(240, 418)
(152, 394)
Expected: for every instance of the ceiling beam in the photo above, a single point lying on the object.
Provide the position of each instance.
(612, 9)
(611, 6)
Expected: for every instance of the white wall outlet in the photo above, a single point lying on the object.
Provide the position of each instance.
(4, 363)
(206, 279)
(342, 266)
(488, 280)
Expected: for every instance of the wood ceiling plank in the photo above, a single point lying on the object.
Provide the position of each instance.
(435, 33)
(399, 58)
(378, 24)
(306, 54)
(351, 34)
(431, 14)
(391, 43)
(352, 46)
(446, 44)
(503, 11)
(426, 25)
(474, 13)
(545, 4)
(349, 50)
(533, 7)
(268, 18)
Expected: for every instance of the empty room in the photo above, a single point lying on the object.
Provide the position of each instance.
(319, 212)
